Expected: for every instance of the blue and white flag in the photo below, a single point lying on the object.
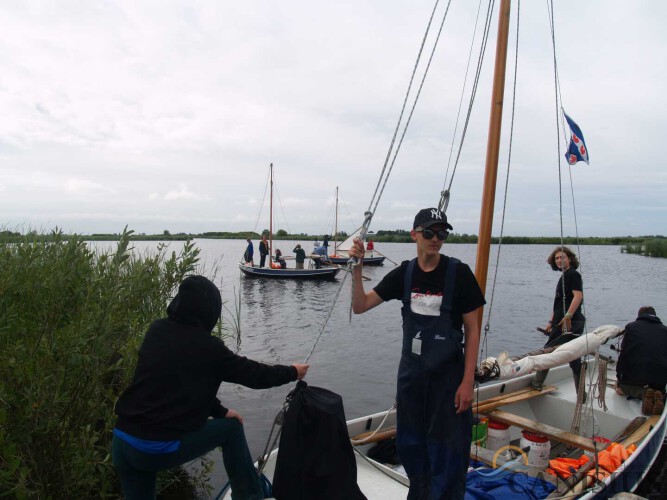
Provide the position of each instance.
(577, 150)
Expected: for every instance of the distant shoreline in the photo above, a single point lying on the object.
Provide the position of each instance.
(380, 236)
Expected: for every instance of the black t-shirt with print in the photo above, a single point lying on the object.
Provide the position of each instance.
(427, 289)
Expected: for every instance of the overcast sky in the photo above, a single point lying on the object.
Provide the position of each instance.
(166, 114)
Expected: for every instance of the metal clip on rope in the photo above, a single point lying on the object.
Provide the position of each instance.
(362, 235)
(444, 201)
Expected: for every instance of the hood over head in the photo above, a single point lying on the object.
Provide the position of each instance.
(198, 303)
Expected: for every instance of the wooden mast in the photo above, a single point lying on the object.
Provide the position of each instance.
(336, 226)
(493, 145)
(271, 215)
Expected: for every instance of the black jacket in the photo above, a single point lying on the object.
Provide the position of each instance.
(643, 358)
(181, 366)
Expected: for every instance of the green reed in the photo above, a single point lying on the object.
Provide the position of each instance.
(71, 322)
(656, 247)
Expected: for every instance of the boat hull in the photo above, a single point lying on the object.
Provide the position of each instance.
(556, 408)
(368, 261)
(325, 273)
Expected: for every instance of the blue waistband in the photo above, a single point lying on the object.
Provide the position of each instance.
(147, 446)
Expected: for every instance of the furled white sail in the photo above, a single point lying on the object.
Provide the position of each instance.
(565, 353)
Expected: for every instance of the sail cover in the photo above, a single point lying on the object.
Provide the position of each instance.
(565, 353)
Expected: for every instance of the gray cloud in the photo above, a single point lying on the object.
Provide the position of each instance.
(166, 116)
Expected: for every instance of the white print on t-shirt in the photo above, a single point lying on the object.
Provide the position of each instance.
(426, 304)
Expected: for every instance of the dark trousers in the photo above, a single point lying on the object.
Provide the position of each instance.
(432, 440)
(138, 470)
(262, 259)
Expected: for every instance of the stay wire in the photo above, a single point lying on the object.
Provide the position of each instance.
(463, 88)
(282, 210)
(558, 162)
(507, 177)
(414, 105)
(473, 94)
(560, 115)
(261, 206)
(580, 407)
(278, 421)
(326, 321)
(565, 143)
(405, 101)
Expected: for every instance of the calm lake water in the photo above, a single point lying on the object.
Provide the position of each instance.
(281, 319)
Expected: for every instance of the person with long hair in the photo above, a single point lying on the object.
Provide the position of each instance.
(567, 321)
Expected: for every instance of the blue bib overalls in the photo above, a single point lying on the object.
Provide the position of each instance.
(433, 442)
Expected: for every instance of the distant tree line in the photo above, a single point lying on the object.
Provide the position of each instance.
(653, 245)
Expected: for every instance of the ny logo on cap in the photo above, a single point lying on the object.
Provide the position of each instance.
(436, 214)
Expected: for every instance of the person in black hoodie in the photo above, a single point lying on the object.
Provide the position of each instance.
(170, 414)
(642, 364)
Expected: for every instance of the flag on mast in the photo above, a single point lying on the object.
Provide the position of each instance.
(577, 150)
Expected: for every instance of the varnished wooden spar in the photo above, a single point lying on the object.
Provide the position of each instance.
(546, 430)
(487, 406)
(484, 407)
(493, 147)
(369, 437)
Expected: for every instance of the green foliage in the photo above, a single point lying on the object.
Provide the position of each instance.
(656, 247)
(281, 233)
(71, 322)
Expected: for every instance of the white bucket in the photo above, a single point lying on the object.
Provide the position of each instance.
(539, 448)
(497, 435)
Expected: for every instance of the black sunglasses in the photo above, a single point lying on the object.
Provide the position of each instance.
(429, 233)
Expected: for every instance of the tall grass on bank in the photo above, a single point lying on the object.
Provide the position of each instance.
(650, 248)
(71, 322)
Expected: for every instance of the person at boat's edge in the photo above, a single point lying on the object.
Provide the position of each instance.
(436, 375)
(641, 371)
(263, 251)
(566, 315)
(280, 260)
(170, 414)
(325, 244)
(300, 256)
(249, 253)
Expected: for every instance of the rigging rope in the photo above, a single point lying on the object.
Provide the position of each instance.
(444, 201)
(414, 105)
(405, 100)
(261, 206)
(463, 88)
(587, 380)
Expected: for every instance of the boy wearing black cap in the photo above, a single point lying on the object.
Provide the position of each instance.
(435, 376)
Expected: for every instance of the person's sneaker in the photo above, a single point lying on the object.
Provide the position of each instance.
(658, 402)
(536, 386)
(648, 401)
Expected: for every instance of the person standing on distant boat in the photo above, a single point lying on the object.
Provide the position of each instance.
(370, 247)
(566, 316)
(249, 252)
(263, 251)
(325, 244)
(436, 374)
(300, 256)
(170, 414)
